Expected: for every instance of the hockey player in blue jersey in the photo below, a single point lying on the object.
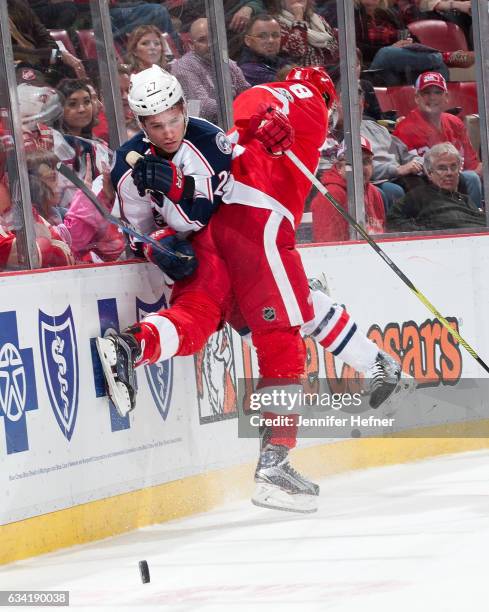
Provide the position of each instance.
(178, 180)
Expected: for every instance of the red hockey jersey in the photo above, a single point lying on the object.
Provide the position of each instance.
(419, 135)
(261, 180)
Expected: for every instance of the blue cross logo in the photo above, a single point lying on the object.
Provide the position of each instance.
(17, 384)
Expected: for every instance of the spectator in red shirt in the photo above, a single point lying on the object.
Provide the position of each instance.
(428, 125)
(327, 223)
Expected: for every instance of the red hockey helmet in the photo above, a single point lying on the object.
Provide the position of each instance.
(318, 77)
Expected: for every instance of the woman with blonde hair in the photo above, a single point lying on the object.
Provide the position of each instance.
(145, 47)
(307, 38)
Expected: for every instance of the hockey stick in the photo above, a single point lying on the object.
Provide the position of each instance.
(322, 189)
(125, 227)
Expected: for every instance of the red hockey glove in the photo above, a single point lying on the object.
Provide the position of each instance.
(275, 132)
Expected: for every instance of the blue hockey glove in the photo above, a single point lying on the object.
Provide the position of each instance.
(181, 263)
(158, 174)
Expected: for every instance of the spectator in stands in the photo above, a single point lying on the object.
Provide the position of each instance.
(145, 48)
(260, 56)
(44, 185)
(33, 45)
(194, 71)
(77, 107)
(307, 38)
(395, 169)
(52, 245)
(101, 130)
(127, 15)
(381, 39)
(55, 14)
(428, 125)
(327, 223)
(238, 14)
(437, 205)
(93, 238)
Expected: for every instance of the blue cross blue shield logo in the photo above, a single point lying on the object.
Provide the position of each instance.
(17, 384)
(159, 375)
(59, 352)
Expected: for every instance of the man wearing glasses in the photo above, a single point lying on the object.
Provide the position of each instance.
(428, 125)
(259, 59)
(437, 205)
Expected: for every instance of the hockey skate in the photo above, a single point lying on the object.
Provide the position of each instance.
(118, 354)
(279, 486)
(383, 377)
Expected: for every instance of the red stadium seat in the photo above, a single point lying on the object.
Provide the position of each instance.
(86, 40)
(440, 35)
(463, 94)
(401, 99)
(383, 98)
(63, 37)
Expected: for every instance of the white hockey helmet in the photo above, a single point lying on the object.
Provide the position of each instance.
(38, 105)
(153, 91)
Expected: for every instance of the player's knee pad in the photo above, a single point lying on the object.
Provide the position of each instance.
(195, 316)
(281, 353)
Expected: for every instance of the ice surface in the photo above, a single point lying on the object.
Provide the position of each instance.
(411, 538)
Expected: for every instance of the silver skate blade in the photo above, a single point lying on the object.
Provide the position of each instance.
(116, 391)
(274, 498)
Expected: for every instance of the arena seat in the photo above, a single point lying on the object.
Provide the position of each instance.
(383, 98)
(401, 99)
(63, 37)
(463, 94)
(86, 40)
(441, 35)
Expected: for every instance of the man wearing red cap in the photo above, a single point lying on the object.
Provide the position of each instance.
(428, 125)
(327, 224)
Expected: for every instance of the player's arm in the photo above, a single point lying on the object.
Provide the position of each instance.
(261, 116)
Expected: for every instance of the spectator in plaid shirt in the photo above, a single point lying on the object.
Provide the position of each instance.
(194, 72)
(378, 37)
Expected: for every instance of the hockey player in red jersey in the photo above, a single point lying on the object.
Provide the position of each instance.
(251, 274)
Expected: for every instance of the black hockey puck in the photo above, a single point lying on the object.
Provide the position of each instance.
(144, 571)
